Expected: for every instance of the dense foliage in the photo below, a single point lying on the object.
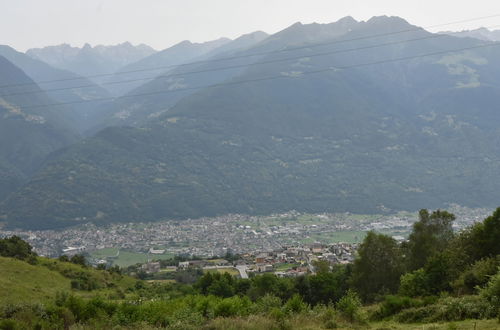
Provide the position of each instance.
(458, 281)
(15, 247)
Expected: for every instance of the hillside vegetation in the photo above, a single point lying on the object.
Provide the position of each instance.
(437, 279)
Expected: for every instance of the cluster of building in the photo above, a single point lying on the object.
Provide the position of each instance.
(288, 261)
(235, 233)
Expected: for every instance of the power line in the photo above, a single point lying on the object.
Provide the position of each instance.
(225, 68)
(331, 69)
(254, 54)
(182, 74)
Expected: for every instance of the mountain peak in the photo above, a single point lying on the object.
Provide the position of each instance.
(347, 20)
(391, 21)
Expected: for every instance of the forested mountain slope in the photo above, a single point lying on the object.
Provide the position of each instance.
(382, 127)
(28, 133)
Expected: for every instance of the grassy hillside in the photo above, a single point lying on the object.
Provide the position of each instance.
(22, 282)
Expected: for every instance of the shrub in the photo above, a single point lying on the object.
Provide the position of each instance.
(448, 309)
(295, 305)
(476, 276)
(266, 303)
(232, 307)
(9, 325)
(413, 284)
(492, 290)
(393, 305)
(350, 306)
(416, 314)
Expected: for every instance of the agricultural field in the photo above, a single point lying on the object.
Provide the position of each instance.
(230, 270)
(125, 258)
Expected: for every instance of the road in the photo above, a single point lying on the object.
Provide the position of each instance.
(243, 271)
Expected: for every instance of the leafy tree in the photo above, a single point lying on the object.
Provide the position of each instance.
(439, 273)
(414, 284)
(222, 285)
(484, 237)
(431, 234)
(327, 287)
(78, 259)
(261, 285)
(204, 282)
(321, 266)
(378, 267)
(15, 247)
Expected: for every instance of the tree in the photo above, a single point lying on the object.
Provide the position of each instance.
(431, 234)
(15, 247)
(327, 286)
(78, 259)
(485, 237)
(378, 267)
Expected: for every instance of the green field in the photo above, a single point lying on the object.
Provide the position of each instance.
(284, 267)
(230, 270)
(128, 258)
(336, 237)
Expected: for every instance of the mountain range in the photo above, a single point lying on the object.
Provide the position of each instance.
(91, 61)
(81, 97)
(481, 33)
(366, 117)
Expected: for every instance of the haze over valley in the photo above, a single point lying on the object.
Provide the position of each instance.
(249, 165)
(373, 116)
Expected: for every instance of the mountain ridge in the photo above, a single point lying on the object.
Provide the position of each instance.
(368, 139)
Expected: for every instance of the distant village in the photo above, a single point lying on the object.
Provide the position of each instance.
(288, 261)
(286, 244)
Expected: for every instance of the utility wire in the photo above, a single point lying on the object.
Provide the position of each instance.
(281, 76)
(182, 74)
(254, 54)
(224, 68)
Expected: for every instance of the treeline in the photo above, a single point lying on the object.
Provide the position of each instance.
(436, 275)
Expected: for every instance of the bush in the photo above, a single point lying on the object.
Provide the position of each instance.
(476, 276)
(350, 306)
(492, 291)
(393, 305)
(233, 306)
(295, 305)
(448, 309)
(9, 325)
(266, 303)
(413, 284)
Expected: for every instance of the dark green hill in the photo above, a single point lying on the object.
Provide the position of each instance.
(371, 138)
(222, 63)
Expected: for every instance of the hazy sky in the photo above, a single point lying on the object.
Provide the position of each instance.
(162, 23)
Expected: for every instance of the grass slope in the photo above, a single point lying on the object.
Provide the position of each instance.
(22, 282)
